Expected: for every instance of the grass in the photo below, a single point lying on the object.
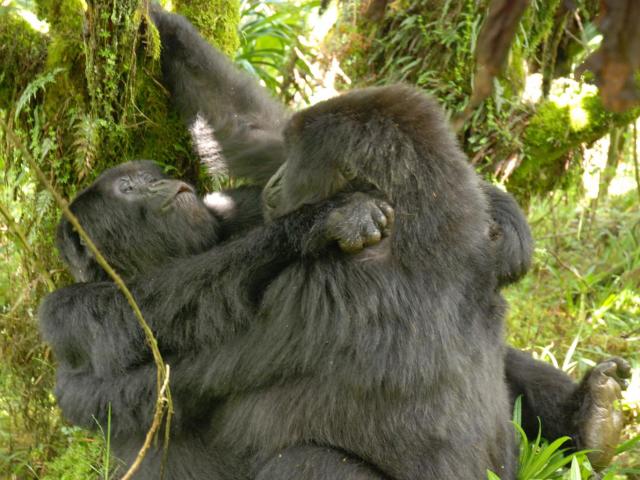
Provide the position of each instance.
(580, 303)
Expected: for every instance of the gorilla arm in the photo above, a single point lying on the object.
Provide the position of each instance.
(199, 300)
(109, 376)
(211, 93)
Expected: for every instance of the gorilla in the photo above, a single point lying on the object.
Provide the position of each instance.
(160, 221)
(399, 327)
(247, 123)
(392, 355)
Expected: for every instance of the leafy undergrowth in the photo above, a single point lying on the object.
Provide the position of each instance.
(580, 303)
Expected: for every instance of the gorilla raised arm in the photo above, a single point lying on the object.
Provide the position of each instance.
(211, 94)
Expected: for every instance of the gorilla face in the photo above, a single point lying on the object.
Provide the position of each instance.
(150, 217)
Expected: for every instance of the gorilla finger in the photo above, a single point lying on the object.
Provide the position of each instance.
(371, 236)
(608, 368)
(379, 217)
(388, 211)
(624, 368)
(351, 245)
(617, 369)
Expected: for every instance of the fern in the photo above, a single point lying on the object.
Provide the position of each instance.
(30, 91)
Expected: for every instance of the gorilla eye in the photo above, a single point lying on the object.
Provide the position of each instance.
(125, 186)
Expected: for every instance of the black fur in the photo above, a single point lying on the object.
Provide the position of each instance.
(384, 337)
(408, 332)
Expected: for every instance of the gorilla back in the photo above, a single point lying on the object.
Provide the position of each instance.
(397, 351)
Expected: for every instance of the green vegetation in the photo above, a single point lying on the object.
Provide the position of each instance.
(84, 95)
(580, 303)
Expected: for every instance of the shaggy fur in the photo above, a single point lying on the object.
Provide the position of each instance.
(384, 364)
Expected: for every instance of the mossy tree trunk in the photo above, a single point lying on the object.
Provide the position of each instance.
(91, 98)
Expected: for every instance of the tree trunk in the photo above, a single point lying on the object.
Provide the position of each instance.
(89, 98)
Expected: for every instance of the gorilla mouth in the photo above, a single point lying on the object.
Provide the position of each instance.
(183, 194)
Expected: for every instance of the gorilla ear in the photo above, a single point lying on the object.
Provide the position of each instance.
(74, 253)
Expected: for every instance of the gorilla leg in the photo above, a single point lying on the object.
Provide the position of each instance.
(585, 412)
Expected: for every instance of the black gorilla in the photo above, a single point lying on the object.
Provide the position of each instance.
(240, 147)
(105, 342)
(408, 332)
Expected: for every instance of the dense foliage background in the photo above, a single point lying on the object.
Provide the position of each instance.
(537, 111)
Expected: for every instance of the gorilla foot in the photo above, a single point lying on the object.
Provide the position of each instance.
(600, 422)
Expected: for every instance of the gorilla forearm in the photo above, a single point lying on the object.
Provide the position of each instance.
(246, 121)
(216, 291)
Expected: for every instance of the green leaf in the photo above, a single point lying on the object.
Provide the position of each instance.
(575, 470)
(30, 90)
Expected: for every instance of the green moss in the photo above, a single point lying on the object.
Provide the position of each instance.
(23, 53)
(83, 458)
(216, 20)
(65, 18)
(557, 128)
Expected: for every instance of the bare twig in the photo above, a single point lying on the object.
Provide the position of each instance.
(163, 391)
(155, 425)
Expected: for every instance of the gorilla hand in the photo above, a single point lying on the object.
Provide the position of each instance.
(360, 223)
(600, 423)
(356, 222)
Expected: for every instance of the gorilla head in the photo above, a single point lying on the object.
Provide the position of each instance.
(137, 217)
(393, 142)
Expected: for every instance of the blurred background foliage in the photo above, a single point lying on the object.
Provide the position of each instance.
(79, 85)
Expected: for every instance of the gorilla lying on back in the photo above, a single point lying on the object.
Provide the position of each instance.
(155, 220)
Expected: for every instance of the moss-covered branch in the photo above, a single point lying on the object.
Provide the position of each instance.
(556, 129)
(217, 21)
